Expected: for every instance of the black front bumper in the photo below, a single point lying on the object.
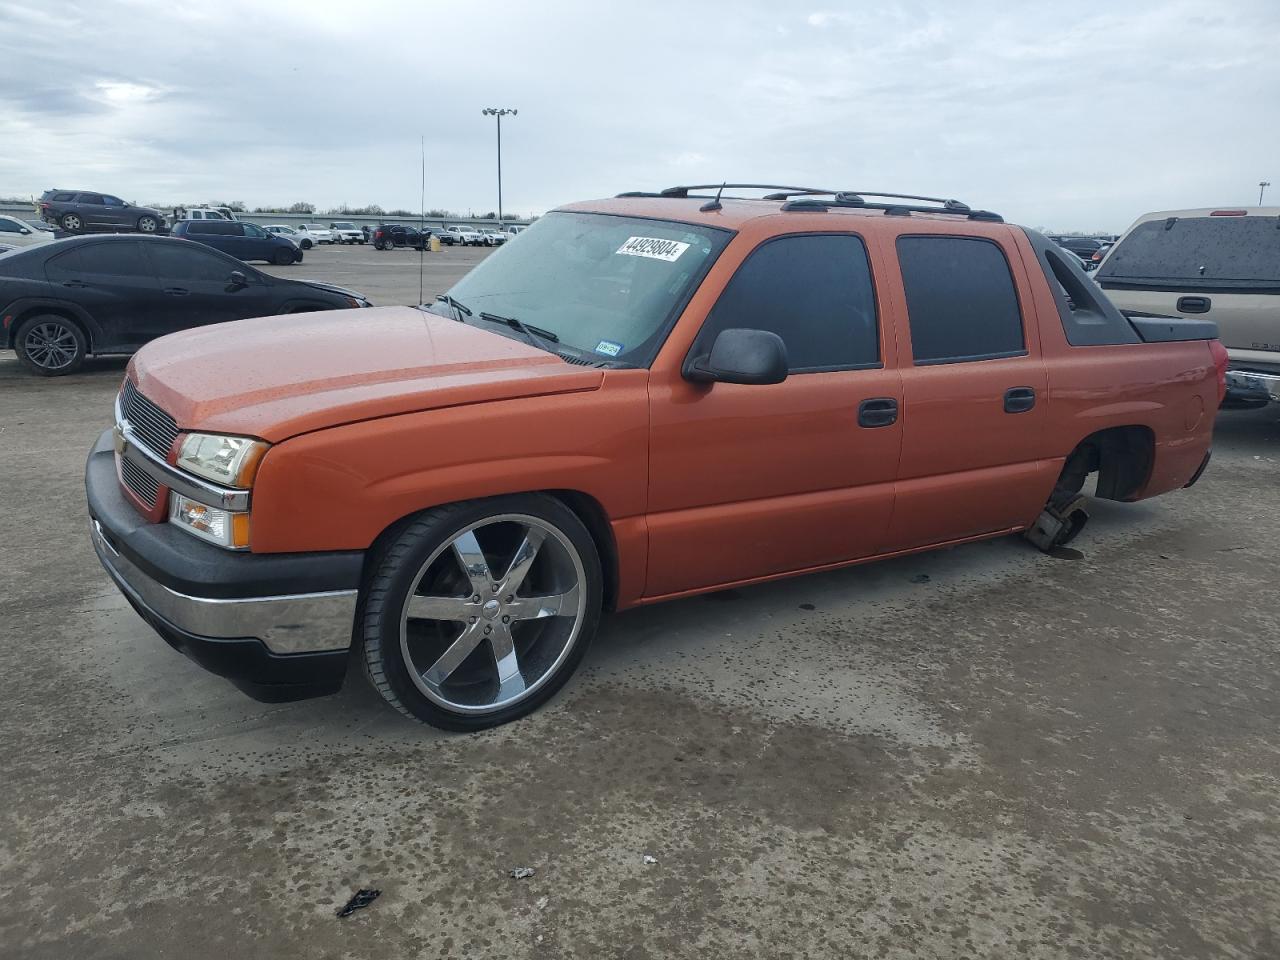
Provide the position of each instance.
(245, 608)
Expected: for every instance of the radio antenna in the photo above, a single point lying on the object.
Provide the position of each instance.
(422, 216)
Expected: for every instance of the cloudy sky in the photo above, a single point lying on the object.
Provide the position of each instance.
(1067, 115)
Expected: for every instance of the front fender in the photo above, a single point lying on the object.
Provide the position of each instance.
(339, 488)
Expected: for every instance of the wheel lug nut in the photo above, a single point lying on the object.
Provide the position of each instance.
(509, 599)
(472, 620)
(476, 598)
(488, 629)
(506, 619)
(494, 588)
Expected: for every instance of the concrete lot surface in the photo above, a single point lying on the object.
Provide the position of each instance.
(384, 276)
(984, 752)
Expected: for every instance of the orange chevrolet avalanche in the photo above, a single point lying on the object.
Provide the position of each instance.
(639, 398)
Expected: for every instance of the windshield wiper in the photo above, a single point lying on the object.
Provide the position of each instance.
(460, 309)
(531, 333)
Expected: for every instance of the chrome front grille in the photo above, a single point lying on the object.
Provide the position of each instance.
(141, 485)
(150, 424)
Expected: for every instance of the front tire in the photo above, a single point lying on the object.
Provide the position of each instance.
(284, 257)
(147, 225)
(306, 244)
(50, 346)
(72, 223)
(478, 612)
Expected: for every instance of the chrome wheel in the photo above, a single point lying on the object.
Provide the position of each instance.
(147, 225)
(51, 346)
(493, 613)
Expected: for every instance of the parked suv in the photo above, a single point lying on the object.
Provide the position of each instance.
(647, 397)
(99, 295)
(467, 236)
(1214, 264)
(244, 241)
(79, 211)
(346, 232)
(388, 236)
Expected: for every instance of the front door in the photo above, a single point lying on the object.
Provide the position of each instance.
(974, 456)
(751, 481)
(196, 288)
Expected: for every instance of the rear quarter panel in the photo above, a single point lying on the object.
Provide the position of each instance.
(1170, 388)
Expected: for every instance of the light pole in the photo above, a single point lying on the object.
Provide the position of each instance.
(498, 113)
(1262, 187)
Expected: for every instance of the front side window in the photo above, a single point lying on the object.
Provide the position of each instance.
(254, 231)
(607, 287)
(815, 292)
(188, 261)
(8, 226)
(961, 300)
(112, 201)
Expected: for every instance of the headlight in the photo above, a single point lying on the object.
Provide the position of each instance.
(231, 461)
(222, 527)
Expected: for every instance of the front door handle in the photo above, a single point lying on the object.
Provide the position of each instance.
(1019, 399)
(1194, 304)
(878, 412)
(177, 291)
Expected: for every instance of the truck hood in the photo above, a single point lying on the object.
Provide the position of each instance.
(276, 377)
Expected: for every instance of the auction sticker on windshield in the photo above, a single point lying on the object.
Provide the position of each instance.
(653, 247)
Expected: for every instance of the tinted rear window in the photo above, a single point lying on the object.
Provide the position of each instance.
(115, 258)
(1199, 249)
(961, 301)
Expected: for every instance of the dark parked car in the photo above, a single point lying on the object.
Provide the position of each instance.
(80, 211)
(1082, 247)
(388, 236)
(445, 237)
(111, 294)
(244, 241)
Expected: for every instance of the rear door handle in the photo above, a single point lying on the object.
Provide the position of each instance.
(177, 291)
(878, 412)
(1194, 304)
(74, 283)
(1019, 399)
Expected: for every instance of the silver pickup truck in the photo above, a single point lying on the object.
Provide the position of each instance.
(1218, 264)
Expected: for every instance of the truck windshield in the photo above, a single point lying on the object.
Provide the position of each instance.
(1203, 252)
(607, 287)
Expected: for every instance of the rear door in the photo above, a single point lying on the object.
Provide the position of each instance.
(749, 481)
(91, 208)
(197, 289)
(974, 391)
(113, 281)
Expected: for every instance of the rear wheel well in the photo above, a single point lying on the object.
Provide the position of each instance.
(1121, 456)
(20, 319)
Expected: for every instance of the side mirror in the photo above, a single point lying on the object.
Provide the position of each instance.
(739, 355)
(237, 279)
(23, 230)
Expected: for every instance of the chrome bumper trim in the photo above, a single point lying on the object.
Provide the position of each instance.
(297, 623)
(131, 448)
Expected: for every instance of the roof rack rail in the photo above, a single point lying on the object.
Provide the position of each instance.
(683, 191)
(812, 199)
